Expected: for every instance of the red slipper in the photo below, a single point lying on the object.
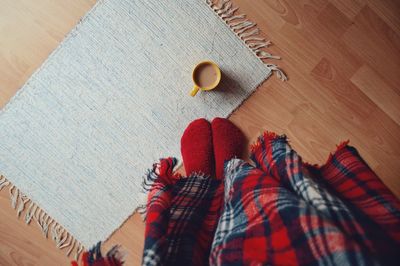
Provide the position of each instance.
(228, 142)
(197, 148)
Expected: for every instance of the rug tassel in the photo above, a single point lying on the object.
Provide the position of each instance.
(30, 213)
(265, 55)
(45, 226)
(14, 192)
(3, 182)
(255, 31)
(71, 248)
(78, 252)
(241, 24)
(281, 75)
(231, 18)
(56, 232)
(225, 8)
(246, 31)
(60, 236)
(229, 14)
(252, 38)
(245, 28)
(23, 199)
(44, 221)
(67, 242)
(256, 46)
(221, 4)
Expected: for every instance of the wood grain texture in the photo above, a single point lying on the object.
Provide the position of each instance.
(342, 58)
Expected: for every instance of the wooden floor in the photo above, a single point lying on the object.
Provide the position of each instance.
(342, 58)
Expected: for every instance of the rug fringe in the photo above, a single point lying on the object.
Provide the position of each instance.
(247, 31)
(20, 202)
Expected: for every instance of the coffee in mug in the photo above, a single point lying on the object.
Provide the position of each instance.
(206, 76)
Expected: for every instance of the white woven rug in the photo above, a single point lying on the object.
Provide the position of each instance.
(111, 100)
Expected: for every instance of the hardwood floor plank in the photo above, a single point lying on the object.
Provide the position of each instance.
(388, 11)
(349, 8)
(376, 43)
(334, 20)
(369, 82)
(342, 58)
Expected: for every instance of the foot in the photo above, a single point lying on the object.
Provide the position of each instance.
(228, 142)
(197, 148)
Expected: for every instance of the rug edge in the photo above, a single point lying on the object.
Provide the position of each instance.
(49, 226)
(246, 31)
(243, 28)
(59, 234)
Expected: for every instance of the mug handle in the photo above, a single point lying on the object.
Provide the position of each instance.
(194, 91)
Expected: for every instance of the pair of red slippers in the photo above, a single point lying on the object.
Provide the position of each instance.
(206, 146)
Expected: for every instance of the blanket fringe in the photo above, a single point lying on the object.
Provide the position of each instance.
(163, 173)
(266, 137)
(20, 202)
(342, 145)
(163, 170)
(114, 257)
(247, 31)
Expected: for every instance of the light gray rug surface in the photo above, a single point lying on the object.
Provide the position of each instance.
(113, 99)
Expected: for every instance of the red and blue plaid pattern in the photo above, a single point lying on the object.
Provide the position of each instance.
(278, 212)
(181, 217)
(94, 257)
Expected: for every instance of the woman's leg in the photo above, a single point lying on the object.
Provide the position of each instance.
(182, 213)
(228, 141)
(197, 148)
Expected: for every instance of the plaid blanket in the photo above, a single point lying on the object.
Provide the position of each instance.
(94, 257)
(276, 211)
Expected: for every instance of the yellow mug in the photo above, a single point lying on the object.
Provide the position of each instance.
(198, 68)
